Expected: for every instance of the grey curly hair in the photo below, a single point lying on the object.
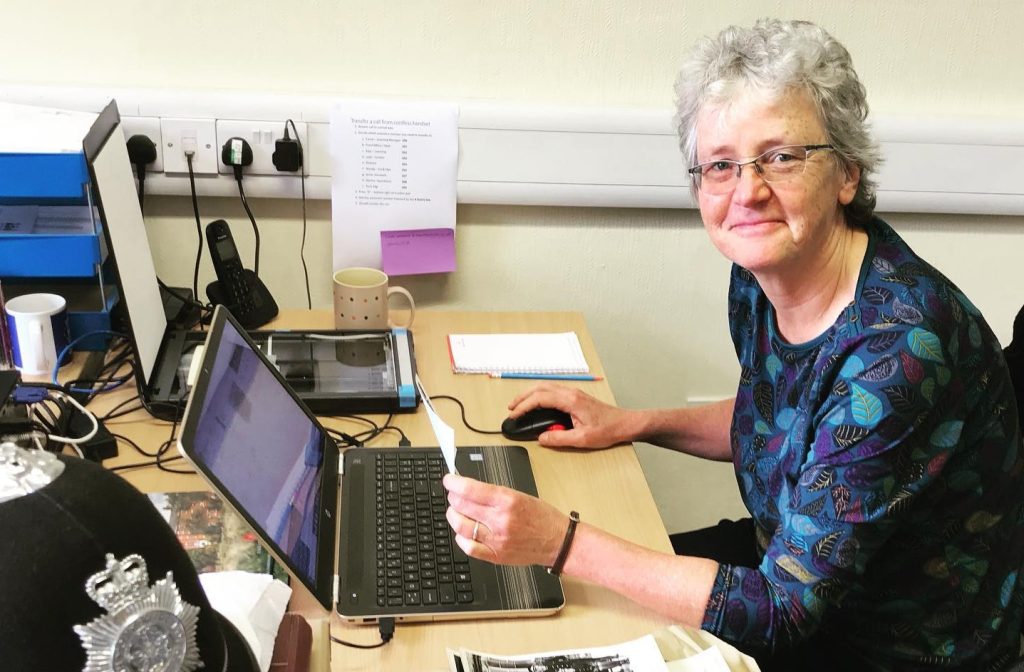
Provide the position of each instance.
(777, 57)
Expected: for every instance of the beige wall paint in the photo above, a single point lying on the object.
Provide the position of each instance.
(651, 285)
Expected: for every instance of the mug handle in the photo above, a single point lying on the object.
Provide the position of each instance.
(412, 304)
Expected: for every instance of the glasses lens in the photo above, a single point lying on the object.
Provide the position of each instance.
(718, 177)
(782, 163)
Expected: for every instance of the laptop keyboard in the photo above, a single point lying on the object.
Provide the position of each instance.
(418, 561)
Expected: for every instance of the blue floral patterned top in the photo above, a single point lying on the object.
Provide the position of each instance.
(881, 465)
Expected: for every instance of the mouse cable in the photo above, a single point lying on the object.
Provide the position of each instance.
(386, 626)
(463, 409)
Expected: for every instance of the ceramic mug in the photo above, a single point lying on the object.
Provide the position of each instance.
(38, 324)
(361, 298)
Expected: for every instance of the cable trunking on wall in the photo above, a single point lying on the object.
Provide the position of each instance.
(532, 155)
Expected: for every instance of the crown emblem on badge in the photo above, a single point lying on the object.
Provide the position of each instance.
(146, 628)
(122, 583)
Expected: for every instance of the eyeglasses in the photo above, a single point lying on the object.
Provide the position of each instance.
(776, 165)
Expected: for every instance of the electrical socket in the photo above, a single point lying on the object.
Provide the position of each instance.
(150, 127)
(261, 136)
(180, 135)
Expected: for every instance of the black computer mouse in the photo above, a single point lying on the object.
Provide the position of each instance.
(530, 425)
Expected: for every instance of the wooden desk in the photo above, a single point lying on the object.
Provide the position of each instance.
(607, 487)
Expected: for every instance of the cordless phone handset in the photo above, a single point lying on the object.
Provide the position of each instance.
(237, 288)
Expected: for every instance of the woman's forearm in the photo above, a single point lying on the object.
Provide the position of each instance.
(676, 586)
(702, 431)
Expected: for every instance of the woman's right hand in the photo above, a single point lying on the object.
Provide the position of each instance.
(595, 423)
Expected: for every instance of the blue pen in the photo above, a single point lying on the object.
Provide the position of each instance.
(547, 376)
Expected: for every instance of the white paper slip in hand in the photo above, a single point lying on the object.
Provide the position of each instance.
(708, 660)
(445, 434)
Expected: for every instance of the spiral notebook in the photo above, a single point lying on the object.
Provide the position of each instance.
(517, 353)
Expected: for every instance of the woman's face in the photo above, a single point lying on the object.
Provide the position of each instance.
(777, 227)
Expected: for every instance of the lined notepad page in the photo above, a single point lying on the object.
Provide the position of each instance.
(517, 353)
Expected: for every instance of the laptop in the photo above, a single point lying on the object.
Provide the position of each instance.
(261, 448)
(372, 371)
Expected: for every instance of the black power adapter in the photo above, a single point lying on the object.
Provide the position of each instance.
(287, 156)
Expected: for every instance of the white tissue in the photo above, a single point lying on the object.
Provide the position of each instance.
(254, 603)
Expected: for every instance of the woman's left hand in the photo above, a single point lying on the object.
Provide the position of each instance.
(511, 528)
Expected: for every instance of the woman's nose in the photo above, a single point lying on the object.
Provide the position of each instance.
(751, 185)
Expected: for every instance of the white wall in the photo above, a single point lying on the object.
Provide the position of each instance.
(651, 285)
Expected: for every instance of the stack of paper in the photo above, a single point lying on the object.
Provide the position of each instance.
(517, 353)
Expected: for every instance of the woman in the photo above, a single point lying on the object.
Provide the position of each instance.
(873, 433)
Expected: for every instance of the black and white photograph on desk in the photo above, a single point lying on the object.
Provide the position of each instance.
(632, 656)
(573, 662)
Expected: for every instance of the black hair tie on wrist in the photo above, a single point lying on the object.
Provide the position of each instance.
(556, 568)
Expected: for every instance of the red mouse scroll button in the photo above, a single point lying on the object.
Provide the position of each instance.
(556, 428)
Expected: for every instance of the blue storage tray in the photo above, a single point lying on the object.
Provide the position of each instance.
(47, 255)
(40, 178)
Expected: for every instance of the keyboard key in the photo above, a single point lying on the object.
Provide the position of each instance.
(447, 593)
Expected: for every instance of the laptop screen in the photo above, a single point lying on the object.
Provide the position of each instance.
(260, 447)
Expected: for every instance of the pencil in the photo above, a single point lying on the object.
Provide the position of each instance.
(547, 376)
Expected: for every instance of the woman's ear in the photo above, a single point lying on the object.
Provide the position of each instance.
(850, 182)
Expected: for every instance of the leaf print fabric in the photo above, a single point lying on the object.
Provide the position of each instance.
(881, 465)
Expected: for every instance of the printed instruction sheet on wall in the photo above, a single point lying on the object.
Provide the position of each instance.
(393, 167)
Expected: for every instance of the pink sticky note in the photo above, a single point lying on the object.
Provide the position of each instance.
(417, 251)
